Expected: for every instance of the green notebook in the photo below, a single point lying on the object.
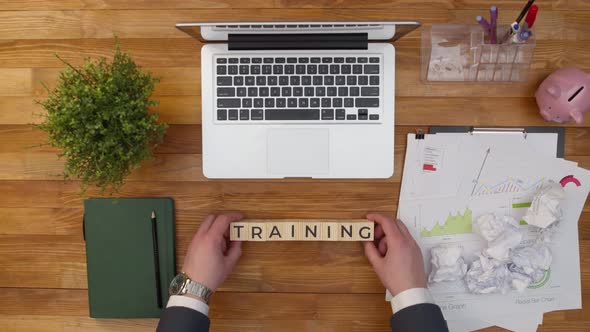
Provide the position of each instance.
(120, 256)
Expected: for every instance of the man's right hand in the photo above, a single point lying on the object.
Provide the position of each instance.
(395, 256)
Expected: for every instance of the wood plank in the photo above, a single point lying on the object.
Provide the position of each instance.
(224, 4)
(15, 82)
(40, 221)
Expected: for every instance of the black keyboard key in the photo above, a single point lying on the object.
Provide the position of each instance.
(277, 69)
(250, 80)
(327, 114)
(323, 69)
(374, 60)
(340, 80)
(317, 80)
(224, 81)
(244, 70)
(308, 92)
(293, 114)
(374, 117)
(281, 102)
(371, 69)
(343, 91)
(283, 80)
(233, 60)
(314, 102)
(258, 102)
(221, 70)
(245, 114)
(346, 69)
(291, 102)
(275, 91)
(286, 91)
(328, 80)
(268, 60)
(247, 102)
(374, 80)
(255, 70)
(349, 102)
(244, 60)
(272, 80)
(221, 60)
(338, 60)
(232, 69)
(366, 102)
(303, 102)
(334, 69)
(300, 69)
(337, 102)
(312, 69)
(232, 114)
(320, 91)
(303, 60)
(242, 92)
(351, 117)
(326, 102)
(351, 80)
(363, 80)
(294, 80)
(238, 80)
(260, 80)
(326, 60)
(370, 91)
(263, 91)
(363, 111)
(221, 115)
(228, 102)
(362, 60)
(332, 91)
(350, 60)
(291, 60)
(357, 69)
(279, 60)
(253, 92)
(340, 114)
(297, 91)
(354, 91)
(289, 69)
(363, 117)
(226, 92)
(305, 80)
(256, 60)
(315, 60)
(269, 102)
(267, 69)
(256, 115)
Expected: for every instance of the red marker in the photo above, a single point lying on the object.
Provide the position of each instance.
(531, 15)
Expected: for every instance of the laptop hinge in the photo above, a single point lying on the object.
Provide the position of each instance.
(320, 41)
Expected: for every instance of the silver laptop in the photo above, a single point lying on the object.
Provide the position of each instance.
(298, 99)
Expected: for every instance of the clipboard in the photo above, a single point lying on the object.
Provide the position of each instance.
(522, 131)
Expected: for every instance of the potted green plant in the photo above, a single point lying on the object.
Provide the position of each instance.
(99, 116)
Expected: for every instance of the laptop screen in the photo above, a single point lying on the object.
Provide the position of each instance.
(376, 31)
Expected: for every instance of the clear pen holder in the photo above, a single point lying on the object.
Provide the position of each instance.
(461, 52)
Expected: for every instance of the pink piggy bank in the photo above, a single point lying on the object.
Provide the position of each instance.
(564, 95)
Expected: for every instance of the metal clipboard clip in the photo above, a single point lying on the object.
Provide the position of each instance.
(475, 130)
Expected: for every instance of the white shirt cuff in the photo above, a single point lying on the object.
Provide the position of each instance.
(410, 297)
(188, 302)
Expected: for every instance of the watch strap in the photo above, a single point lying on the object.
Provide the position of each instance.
(199, 290)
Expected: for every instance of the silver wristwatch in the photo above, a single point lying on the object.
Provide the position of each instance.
(182, 284)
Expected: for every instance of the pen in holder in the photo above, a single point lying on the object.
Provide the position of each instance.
(463, 52)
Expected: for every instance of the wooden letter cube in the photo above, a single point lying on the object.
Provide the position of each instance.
(275, 231)
(311, 231)
(364, 231)
(257, 231)
(292, 230)
(329, 231)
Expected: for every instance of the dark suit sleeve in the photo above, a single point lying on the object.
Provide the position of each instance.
(181, 319)
(425, 317)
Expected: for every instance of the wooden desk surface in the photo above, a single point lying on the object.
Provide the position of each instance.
(276, 286)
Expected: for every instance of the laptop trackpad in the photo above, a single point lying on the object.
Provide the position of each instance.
(298, 152)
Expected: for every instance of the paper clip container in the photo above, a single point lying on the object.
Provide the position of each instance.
(462, 52)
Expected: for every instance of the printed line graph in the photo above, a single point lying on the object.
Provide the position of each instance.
(508, 185)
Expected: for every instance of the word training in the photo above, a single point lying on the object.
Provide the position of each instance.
(302, 230)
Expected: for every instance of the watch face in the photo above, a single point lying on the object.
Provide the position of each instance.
(177, 284)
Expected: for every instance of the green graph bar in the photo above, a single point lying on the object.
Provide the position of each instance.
(521, 205)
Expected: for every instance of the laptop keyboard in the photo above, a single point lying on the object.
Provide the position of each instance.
(309, 89)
